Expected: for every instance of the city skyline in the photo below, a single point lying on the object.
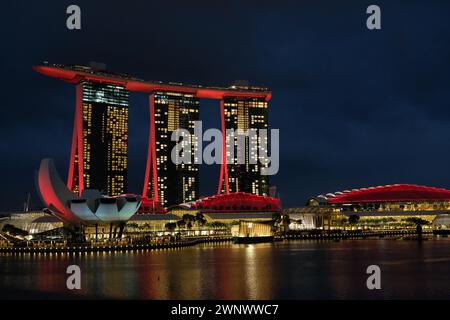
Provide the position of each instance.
(99, 150)
(327, 93)
(225, 158)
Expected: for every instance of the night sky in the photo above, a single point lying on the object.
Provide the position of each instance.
(355, 107)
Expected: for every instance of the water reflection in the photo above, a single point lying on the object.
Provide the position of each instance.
(287, 270)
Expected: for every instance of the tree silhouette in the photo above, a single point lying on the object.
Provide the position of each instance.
(353, 219)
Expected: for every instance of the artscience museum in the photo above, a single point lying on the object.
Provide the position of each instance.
(91, 209)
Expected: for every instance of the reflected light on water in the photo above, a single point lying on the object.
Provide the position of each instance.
(286, 270)
(251, 272)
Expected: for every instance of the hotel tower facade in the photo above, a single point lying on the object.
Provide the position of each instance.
(100, 139)
(245, 115)
(176, 183)
(100, 136)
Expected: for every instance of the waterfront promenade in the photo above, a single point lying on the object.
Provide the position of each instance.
(120, 247)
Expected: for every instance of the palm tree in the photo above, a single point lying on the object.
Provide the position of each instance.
(200, 219)
(181, 224)
(171, 226)
(188, 218)
(276, 217)
(132, 225)
(416, 221)
(419, 222)
(353, 219)
(286, 222)
(344, 221)
(281, 220)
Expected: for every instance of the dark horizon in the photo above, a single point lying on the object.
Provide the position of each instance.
(355, 108)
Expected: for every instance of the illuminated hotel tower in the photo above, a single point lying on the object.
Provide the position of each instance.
(99, 143)
(101, 134)
(244, 113)
(176, 183)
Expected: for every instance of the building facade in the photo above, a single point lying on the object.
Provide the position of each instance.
(393, 205)
(101, 134)
(246, 116)
(177, 183)
(99, 143)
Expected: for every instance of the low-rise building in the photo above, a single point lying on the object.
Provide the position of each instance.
(389, 206)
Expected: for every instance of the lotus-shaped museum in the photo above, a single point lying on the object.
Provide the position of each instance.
(90, 209)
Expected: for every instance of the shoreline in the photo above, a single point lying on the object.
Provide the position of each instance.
(113, 248)
(189, 243)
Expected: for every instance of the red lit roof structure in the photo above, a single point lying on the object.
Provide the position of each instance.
(76, 74)
(237, 202)
(150, 205)
(228, 202)
(388, 193)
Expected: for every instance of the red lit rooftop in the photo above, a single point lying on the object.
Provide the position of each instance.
(76, 74)
(237, 202)
(388, 193)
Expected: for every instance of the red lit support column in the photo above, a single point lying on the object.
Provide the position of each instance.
(80, 144)
(151, 155)
(223, 167)
(73, 150)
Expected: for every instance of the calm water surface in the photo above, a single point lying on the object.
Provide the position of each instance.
(284, 270)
